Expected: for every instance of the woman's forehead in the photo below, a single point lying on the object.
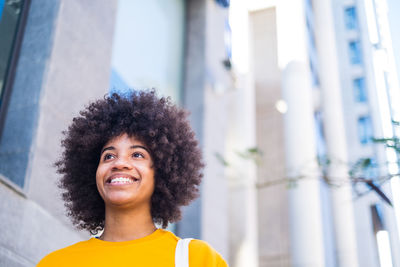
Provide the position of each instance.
(124, 138)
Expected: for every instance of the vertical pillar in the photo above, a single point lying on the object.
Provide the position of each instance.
(243, 224)
(242, 175)
(265, 79)
(332, 108)
(306, 233)
(193, 99)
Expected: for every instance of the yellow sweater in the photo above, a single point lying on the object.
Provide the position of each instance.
(156, 249)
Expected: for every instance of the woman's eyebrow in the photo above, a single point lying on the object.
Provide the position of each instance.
(107, 148)
(142, 147)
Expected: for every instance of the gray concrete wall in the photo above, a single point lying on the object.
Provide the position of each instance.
(64, 63)
(193, 98)
(28, 231)
(78, 71)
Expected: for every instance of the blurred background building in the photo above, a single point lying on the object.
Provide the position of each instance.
(325, 82)
(285, 97)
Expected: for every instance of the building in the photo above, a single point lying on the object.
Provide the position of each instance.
(325, 82)
(282, 118)
(56, 56)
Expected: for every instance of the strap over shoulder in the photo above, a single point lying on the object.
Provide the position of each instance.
(182, 253)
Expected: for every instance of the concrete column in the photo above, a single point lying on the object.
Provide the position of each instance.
(193, 99)
(242, 177)
(265, 80)
(306, 235)
(334, 128)
(243, 204)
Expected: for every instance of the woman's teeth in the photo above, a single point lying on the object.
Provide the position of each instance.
(122, 180)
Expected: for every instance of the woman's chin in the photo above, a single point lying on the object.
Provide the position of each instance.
(119, 200)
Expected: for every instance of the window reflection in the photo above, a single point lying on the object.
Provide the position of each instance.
(359, 89)
(355, 52)
(351, 18)
(10, 11)
(365, 131)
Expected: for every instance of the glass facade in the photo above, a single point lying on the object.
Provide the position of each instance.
(365, 132)
(12, 17)
(10, 14)
(223, 3)
(355, 52)
(360, 94)
(351, 18)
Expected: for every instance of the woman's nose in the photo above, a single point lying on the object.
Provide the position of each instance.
(122, 163)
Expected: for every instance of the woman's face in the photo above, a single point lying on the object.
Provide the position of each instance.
(125, 174)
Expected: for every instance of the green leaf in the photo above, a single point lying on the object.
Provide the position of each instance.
(221, 159)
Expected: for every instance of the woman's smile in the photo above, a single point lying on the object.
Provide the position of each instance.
(121, 179)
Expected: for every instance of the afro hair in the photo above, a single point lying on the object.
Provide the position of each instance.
(156, 122)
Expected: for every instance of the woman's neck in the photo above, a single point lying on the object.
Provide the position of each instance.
(124, 225)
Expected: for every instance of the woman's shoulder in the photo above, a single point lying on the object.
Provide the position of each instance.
(203, 254)
(201, 246)
(59, 255)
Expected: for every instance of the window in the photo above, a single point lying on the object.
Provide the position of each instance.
(223, 3)
(371, 168)
(365, 132)
(350, 16)
(11, 12)
(359, 89)
(377, 217)
(382, 235)
(355, 52)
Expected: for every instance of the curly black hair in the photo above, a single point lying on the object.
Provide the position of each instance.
(160, 125)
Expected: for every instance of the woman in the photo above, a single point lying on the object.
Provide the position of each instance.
(129, 162)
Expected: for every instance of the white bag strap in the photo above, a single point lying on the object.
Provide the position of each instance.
(182, 253)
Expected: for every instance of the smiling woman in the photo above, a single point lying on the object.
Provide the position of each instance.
(130, 162)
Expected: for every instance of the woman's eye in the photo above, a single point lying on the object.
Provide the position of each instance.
(108, 156)
(138, 155)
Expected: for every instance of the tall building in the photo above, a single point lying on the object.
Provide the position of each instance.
(325, 82)
(57, 56)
